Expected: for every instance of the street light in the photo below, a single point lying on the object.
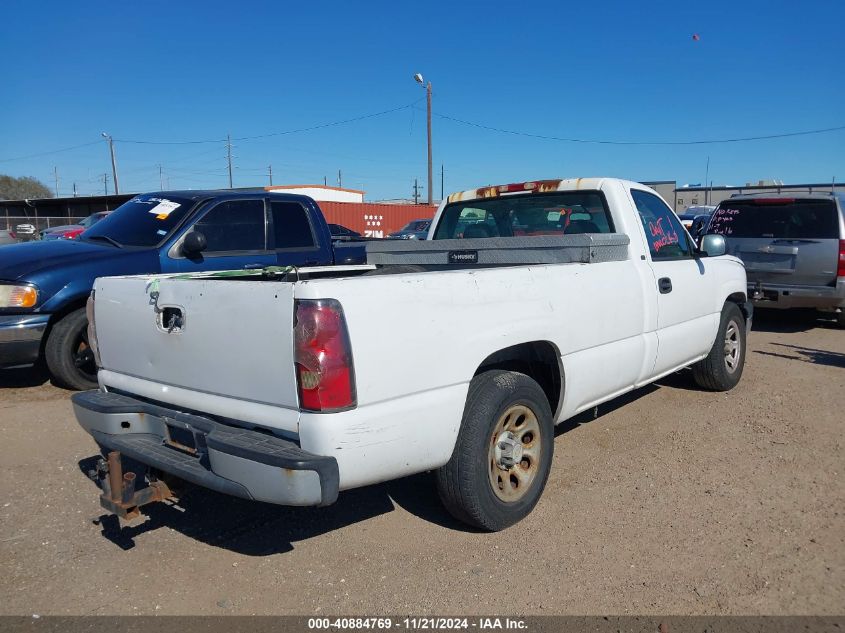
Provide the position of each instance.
(113, 163)
(419, 79)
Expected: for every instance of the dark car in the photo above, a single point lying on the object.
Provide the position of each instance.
(413, 230)
(44, 285)
(793, 247)
(695, 217)
(72, 231)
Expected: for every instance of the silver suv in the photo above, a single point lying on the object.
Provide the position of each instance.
(793, 247)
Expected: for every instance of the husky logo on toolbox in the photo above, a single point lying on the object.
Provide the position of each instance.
(463, 257)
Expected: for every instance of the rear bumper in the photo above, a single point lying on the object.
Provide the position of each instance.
(826, 298)
(20, 338)
(229, 459)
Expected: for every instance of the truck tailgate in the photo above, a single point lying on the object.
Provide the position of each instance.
(235, 339)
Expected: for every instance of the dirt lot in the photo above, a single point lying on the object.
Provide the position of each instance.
(671, 501)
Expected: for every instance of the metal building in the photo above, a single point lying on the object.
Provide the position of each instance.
(681, 198)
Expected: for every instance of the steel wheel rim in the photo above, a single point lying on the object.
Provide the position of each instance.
(83, 356)
(733, 349)
(519, 429)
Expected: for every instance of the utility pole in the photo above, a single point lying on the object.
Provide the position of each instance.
(105, 184)
(229, 157)
(419, 79)
(113, 162)
(706, 180)
(74, 190)
(56, 176)
(270, 173)
(416, 192)
(441, 181)
(339, 179)
(325, 181)
(160, 178)
(428, 121)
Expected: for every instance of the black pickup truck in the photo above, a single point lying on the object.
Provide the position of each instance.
(44, 285)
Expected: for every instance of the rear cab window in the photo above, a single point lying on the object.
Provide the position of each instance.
(531, 215)
(777, 218)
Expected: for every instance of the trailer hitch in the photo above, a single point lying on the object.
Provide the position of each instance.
(119, 495)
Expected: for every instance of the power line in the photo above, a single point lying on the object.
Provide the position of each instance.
(332, 124)
(282, 133)
(55, 151)
(615, 142)
(223, 140)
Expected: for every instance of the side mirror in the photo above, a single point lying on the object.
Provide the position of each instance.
(194, 244)
(712, 245)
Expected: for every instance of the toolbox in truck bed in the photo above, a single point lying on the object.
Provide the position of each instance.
(558, 249)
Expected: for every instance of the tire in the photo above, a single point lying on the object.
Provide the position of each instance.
(68, 356)
(840, 318)
(722, 368)
(474, 485)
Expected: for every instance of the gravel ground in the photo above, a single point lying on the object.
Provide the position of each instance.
(671, 500)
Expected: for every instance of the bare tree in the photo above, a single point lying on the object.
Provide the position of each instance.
(12, 188)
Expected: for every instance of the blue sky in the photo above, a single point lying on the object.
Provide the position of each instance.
(183, 71)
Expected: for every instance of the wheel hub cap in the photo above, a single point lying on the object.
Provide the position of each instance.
(508, 450)
(515, 449)
(732, 347)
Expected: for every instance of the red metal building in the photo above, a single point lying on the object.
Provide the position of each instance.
(373, 219)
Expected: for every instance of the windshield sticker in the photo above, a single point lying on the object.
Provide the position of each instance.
(161, 232)
(163, 209)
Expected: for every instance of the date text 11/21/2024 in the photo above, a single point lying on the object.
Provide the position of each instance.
(417, 623)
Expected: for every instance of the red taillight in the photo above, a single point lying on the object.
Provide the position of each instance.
(323, 356)
(840, 270)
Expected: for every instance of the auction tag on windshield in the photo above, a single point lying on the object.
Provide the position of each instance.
(164, 208)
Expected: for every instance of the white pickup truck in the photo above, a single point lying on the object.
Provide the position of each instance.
(527, 304)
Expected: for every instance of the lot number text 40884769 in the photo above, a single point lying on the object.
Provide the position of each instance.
(417, 623)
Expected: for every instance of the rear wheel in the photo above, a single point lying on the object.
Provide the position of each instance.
(502, 458)
(722, 368)
(69, 357)
(840, 318)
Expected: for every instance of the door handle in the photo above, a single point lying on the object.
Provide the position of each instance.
(253, 266)
(664, 284)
